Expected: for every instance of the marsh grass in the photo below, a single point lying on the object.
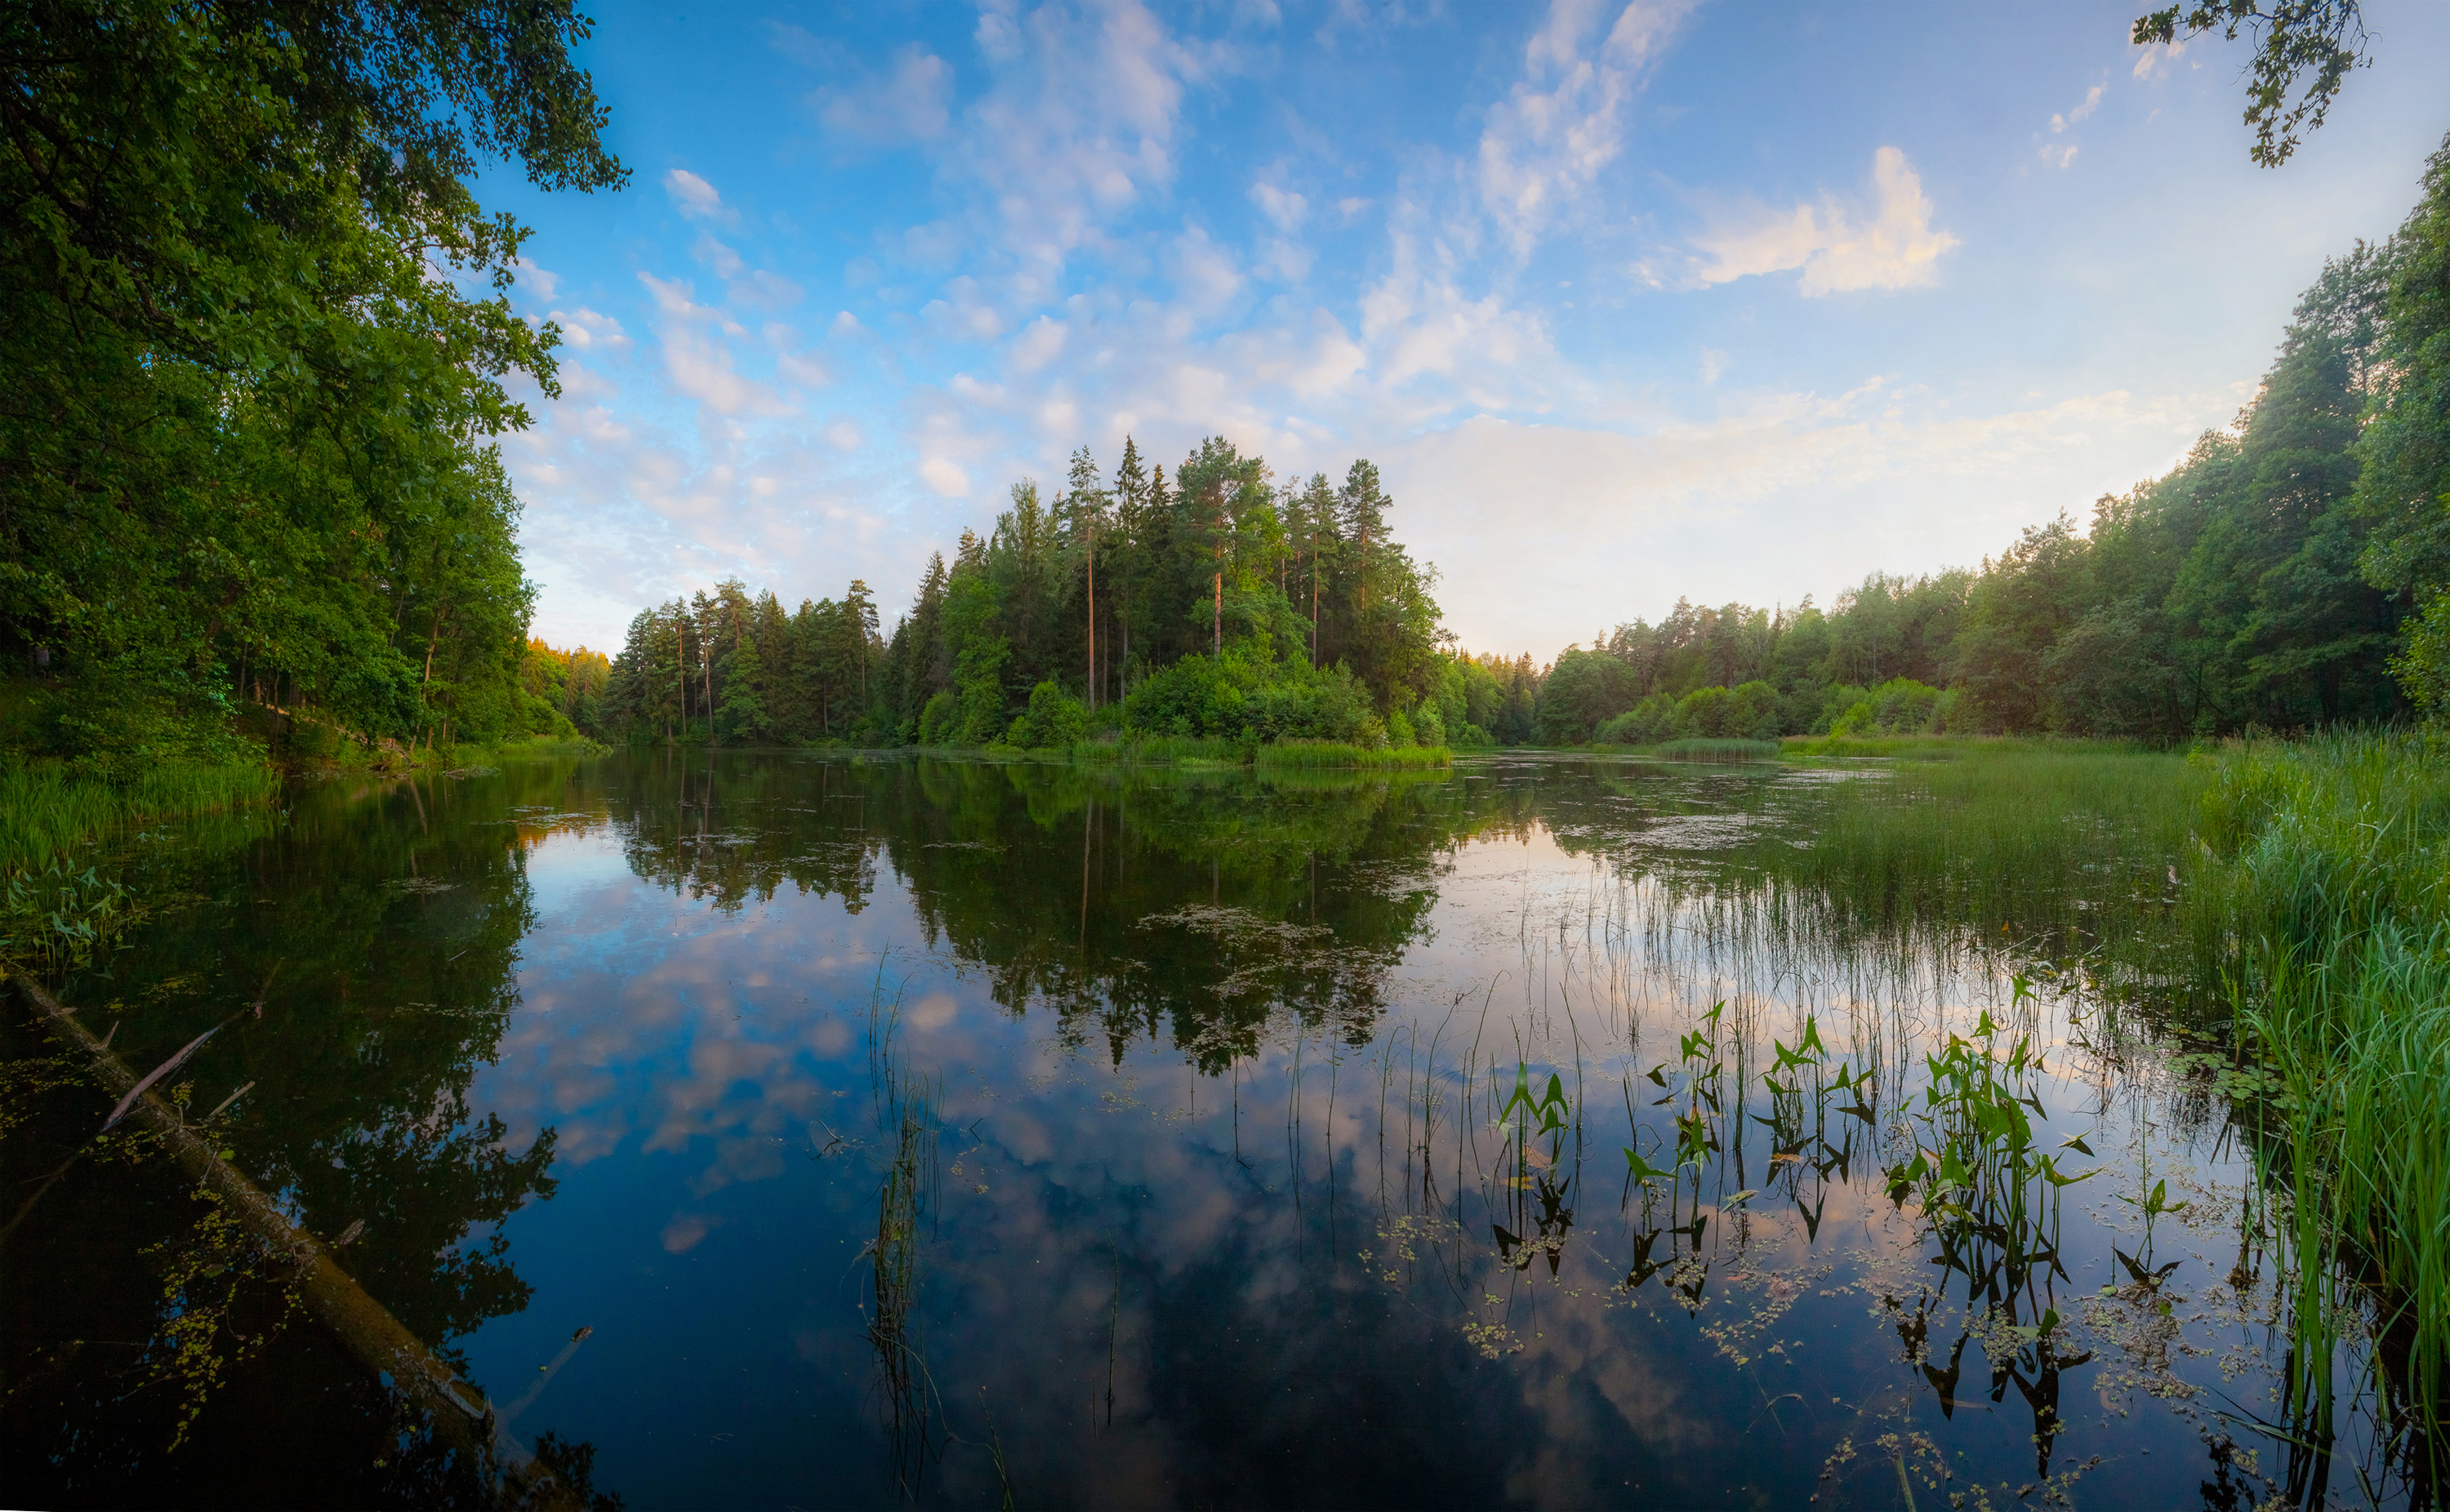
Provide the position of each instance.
(1953, 747)
(1190, 750)
(2086, 857)
(1324, 753)
(2341, 900)
(2291, 900)
(906, 1103)
(1699, 749)
(48, 810)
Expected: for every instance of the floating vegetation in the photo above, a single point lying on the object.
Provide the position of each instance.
(907, 1137)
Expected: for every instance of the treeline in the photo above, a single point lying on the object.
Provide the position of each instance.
(1217, 604)
(257, 340)
(2293, 573)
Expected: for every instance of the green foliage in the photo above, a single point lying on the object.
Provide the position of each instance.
(1222, 606)
(2402, 492)
(249, 432)
(2261, 584)
(48, 810)
(1295, 754)
(2318, 41)
(1054, 720)
(2339, 858)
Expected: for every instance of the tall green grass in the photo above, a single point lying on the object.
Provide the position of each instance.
(2065, 852)
(2339, 853)
(2300, 890)
(48, 810)
(1704, 749)
(1328, 753)
(1953, 747)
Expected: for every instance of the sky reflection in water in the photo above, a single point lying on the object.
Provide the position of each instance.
(1221, 1207)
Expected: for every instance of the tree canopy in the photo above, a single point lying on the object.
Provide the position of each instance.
(257, 337)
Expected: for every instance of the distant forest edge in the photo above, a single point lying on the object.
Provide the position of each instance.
(2292, 572)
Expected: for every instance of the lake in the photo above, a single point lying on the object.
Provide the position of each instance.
(796, 1132)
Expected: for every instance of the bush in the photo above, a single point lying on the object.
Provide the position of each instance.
(1245, 697)
(1054, 719)
(1897, 706)
(939, 721)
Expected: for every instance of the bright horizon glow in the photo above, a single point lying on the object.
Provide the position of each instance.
(1627, 302)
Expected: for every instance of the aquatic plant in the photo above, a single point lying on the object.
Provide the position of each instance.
(1325, 753)
(906, 1127)
(48, 809)
(52, 920)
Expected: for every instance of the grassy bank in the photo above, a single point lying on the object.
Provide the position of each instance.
(2338, 849)
(48, 810)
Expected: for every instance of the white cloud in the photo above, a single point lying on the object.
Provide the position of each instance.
(1205, 278)
(2092, 101)
(843, 437)
(1562, 122)
(1780, 496)
(806, 371)
(539, 282)
(906, 104)
(844, 323)
(1283, 207)
(1038, 343)
(725, 261)
(1892, 246)
(587, 330)
(1714, 364)
(945, 476)
(694, 197)
(2155, 59)
(763, 290)
(2058, 157)
(702, 369)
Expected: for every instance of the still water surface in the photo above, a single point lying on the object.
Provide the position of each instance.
(950, 1131)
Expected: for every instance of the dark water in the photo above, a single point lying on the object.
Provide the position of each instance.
(955, 1130)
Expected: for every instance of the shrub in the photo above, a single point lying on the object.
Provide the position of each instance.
(1053, 719)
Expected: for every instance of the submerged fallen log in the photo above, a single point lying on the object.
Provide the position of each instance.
(462, 1418)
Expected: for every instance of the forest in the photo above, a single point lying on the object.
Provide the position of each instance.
(1214, 605)
(2291, 574)
(258, 333)
(252, 501)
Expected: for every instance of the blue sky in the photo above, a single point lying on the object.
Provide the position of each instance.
(1725, 300)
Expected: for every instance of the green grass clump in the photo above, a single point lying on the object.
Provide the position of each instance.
(2065, 850)
(1152, 750)
(1701, 749)
(48, 809)
(1951, 747)
(1328, 753)
(2340, 850)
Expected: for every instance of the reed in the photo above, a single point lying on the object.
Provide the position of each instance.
(2086, 856)
(1175, 749)
(1326, 753)
(1953, 747)
(48, 810)
(2341, 906)
(1700, 748)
